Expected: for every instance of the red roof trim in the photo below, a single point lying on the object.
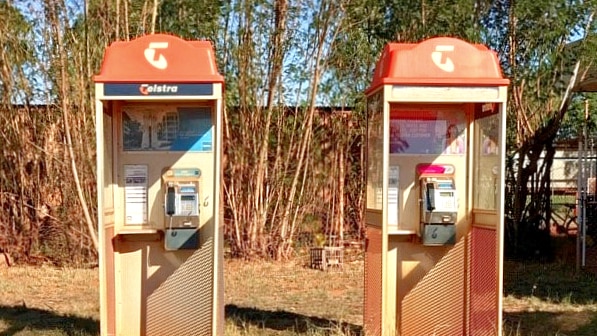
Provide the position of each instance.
(440, 61)
(159, 58)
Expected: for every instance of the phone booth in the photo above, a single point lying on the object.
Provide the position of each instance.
(434, 210)
(158, 127)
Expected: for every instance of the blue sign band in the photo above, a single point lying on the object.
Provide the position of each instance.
(157, 89)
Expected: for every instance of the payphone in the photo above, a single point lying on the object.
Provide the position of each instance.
(438, 205)
(181, 208)
(436, 113)
(159, 107)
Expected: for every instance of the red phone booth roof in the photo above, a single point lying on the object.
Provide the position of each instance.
(159, 58)
(440, 61)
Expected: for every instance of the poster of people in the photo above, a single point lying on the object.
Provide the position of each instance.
(167, 128)
(428, 132)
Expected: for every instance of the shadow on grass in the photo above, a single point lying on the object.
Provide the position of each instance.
(550, 323)
(553, 282)
(34, 321)
(287, 321)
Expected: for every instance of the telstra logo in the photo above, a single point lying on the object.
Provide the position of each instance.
(148, 89)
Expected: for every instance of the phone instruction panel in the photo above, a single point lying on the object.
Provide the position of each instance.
(135, 194)
(393, 195)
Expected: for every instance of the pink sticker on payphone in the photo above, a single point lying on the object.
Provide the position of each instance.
(434, 169)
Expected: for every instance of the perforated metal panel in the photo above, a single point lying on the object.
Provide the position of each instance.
(373, 282)
(435, 306)
(220, 315)
(110, 299)
(182, 304)
(483, 282)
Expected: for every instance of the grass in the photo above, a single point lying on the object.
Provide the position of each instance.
(48, 301)
(549, 299)
(268, 298)
(288, 299)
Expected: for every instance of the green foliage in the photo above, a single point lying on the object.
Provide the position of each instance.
(413, 21)
(199, 19)
(16, 51)
(574, 120)
(533, 42)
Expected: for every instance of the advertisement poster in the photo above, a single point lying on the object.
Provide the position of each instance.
(167, 128)
(135, 194)
(428, 132)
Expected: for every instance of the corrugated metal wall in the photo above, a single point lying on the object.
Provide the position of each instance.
(435, 306)
(373, 282)
(182, 304)
(483, 282)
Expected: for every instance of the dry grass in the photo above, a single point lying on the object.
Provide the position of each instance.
(289, 299)
(48, 301)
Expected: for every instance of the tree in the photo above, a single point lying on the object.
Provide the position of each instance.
(290, 166)
(270, 186)
(15, 87)
(15, 53)
(531, 38)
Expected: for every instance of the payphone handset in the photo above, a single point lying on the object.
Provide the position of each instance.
(181, 207)
(182, 203)
(438, 204)
(439, 195)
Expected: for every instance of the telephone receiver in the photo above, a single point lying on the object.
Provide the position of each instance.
(170, 201)
(430, 195)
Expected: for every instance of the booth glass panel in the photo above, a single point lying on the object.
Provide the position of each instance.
(108, 200)
(487, 163)
(422, 135)
(375, 152)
